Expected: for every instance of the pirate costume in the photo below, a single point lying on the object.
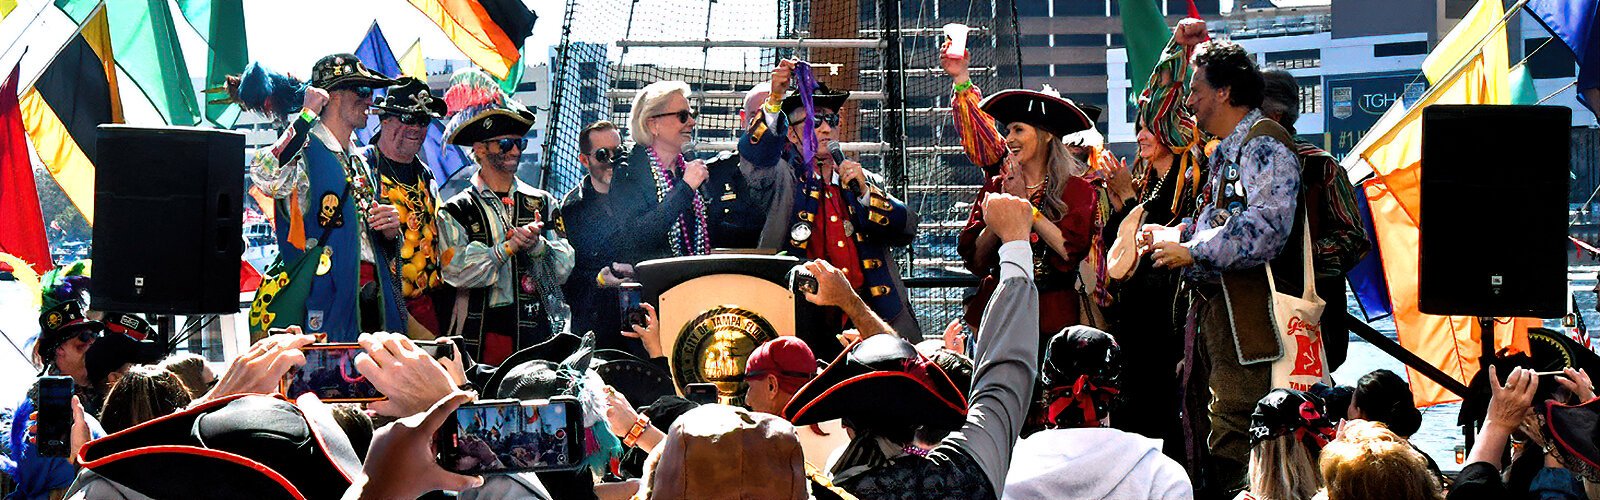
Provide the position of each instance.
(505, 301)
(324, 190)
(409, 187)
(1057, 276)
(852, 227)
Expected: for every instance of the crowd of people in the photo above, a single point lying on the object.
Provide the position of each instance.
(1108, 350)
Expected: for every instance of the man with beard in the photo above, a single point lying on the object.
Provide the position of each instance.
(505, 247)
(326, 196)
(594, 221)
(404, 182)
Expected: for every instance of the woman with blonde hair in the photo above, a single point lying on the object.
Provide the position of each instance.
(1287, 431)
(658, 189)
(1370, 461)
(1029, 162)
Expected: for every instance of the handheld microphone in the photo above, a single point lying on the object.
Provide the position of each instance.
(838, 159)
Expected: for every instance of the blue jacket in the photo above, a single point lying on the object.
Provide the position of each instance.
(36, 476)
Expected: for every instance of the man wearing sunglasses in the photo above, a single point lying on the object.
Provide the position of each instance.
(505, 243)
(326, 195)
(408, 204)
(66, 334)
(830, 209)
(594, 220)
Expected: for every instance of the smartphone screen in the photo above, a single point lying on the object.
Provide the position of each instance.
(330, 373)
(506, 436)
(629, 298)
(55, 415)
(704, 393)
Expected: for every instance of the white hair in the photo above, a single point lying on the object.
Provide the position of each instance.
(651, 99)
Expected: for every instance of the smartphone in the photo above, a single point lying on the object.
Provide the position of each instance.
(437, 350)
(704, 393)
(508, 436)
(55, 416)
(630, 298)
(330, 373)
(801, 281)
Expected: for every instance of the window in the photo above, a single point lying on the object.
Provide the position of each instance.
(589, 94)
(1087, 40)
(1550, 61)
(1035, 70)
(1034, 8)
(589, 71)
(588, 117)
(1310, 95)
(1400, 49)
(1080, 70)
(1294, 59)
(1078, 7)
(1117, 40)
(1031, 41)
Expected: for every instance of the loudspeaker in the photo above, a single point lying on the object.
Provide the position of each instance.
(168, 217)
(1493, 223)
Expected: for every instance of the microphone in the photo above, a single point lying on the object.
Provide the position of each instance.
(838, 159)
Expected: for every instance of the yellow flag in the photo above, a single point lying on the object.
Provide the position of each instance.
(411, 63)
(6, 6)
(1480, 30)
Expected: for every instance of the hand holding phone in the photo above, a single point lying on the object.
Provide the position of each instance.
(330, 373)
(629, 299)
(802, 281)
(704, 393)
(54, 421)
(509, 436)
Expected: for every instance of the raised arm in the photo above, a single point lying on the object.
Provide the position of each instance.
(979, 137)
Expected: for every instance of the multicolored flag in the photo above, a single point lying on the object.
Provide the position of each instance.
(489, 32)
(74, 94)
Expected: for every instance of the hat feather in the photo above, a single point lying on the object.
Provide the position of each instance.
(470, 88)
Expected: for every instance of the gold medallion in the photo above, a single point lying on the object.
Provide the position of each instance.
(714, 348)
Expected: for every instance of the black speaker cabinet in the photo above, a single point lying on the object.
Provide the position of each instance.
(168, 217)
(1493, 226)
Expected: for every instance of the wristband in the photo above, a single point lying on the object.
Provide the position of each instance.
(600, 278)
(1037, 215)
(963, 86)
(639, 426)
(308, 115)
(772, 107)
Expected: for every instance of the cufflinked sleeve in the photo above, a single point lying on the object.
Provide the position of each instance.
(762, 144)
(886, 218)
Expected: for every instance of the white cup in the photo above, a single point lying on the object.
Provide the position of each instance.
(957, 33)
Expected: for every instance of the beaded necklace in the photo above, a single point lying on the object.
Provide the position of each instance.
(683, 244)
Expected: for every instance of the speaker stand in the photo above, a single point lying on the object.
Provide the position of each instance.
(1487, 356)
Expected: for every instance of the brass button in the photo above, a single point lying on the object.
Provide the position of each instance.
(833, 218)
(841, 243)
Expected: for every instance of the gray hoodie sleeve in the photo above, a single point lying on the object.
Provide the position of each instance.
(1007, 360)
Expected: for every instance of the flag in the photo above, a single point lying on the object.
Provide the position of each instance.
(144, 34)
(1194, 12)
(1392, 152)
(411, 62)
(510, 82)
(374, 52)
(6, 6)
(489, 32)
(1520, 83)
(1147, 34)
(23, 233)
(444, 160)
(1366, 278)
(1573, 22)
(221, 24)
(75, 93)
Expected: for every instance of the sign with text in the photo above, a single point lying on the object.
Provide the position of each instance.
(1355, 103)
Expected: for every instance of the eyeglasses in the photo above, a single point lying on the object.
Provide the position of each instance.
(506, 144)
(683, 115)
(832, 119)
(607, 155)
(362, 92)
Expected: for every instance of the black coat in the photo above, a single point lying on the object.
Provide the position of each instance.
(633, 187)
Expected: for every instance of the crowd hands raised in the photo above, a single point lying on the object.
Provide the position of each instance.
(1067, 388)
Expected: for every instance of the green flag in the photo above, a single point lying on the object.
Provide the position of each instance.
(146, 44)
(221, 24)
(514, 77)
(1146, 33)
(1522, 91)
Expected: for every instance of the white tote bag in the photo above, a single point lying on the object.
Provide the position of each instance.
(1298, 321)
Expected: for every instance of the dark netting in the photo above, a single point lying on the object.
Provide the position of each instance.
(900, 128)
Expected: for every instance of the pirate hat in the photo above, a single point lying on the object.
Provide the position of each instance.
(343, 72)
(1576, 431)
(253, 443)
(549, 353)
(822, 98)
(480, 111)
(410, 96)
(855, 384)
(1548, 350)
(60, 323)
(1043, 110)
(638, 380)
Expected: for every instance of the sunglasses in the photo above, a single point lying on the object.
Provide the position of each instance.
(832, 119)
(683, 115)
(410, 119)
(506, 144)
(362, 92)
(606, 155)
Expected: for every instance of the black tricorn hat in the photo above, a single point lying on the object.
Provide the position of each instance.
(410, 96)
(552, 351)
(345, 71)
(821, 98)
(1576, 430)
(880, 379)
(1043, 111)
(638, 380)
(252, 443)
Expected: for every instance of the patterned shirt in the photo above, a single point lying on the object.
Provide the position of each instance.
(1224, 239)
(1339, 240)
(471, 264)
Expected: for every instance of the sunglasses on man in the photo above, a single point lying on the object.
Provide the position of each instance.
(832, 119)
(607, 155)
(683, 115)
(410, 119)
(506, 145)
